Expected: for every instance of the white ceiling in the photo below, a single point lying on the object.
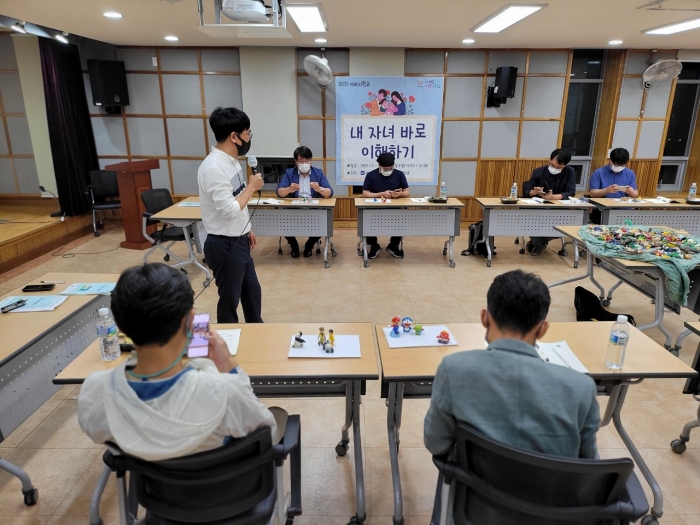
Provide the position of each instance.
(369, 23)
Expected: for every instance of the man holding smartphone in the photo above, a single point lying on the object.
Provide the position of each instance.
(553, 182)
(385, 183)
(223, 197)
(615, 179)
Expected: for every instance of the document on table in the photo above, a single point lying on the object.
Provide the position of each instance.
(531, 201)
(89, 289)
(378, 200)
(345, 346)
(232, 337)
(428, 337)
(659, 200)
(572, 201)
(35, 303)
(419, 199)
(265, 201)
(185, 204)
(307, 201)
(560, 354)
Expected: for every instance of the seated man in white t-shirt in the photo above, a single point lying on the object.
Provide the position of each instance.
(157, 406)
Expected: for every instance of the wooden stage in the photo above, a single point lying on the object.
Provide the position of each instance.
(27, 230)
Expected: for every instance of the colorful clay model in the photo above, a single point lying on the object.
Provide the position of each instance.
(327, 347)
(407, 324)
(298, 341)
(443, 337)
(331, 337)
(395, 324)
(418, 328)
(321, 337)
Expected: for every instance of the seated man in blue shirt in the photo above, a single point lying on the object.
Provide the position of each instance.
(304, 181)
(157, 405)
(385, 183)
(553, 182)
(615, 180)
(507, 391)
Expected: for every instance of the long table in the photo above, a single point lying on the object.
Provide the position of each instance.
(35, 347)
(409, 372)
(262, 353)
(281, 219)
(644, 277)
(531, 220)
(676, 214)
(404, 217)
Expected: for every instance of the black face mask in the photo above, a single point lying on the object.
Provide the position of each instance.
(244, 148)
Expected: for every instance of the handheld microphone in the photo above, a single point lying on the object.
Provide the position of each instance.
(57, 213)
(253, 163)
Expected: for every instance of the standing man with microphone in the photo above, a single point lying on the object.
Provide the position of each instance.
(223, 197)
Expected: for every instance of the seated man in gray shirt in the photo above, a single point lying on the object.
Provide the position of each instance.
(507, 392)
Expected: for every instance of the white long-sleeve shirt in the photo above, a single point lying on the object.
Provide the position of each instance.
(219, 177)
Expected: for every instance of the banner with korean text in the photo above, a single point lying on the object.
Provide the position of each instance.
(400, 115)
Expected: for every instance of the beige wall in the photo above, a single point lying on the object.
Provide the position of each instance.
(269, 89)
(29, 65)
(368, 61)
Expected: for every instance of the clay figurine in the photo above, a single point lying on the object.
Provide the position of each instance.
(395, 324)
(331, 337)
(298, 341)
(327, 347)
(407, 324)
(321, 337)
(418, 328)
(443, 337)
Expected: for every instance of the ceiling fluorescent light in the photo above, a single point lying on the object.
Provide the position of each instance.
(506, 17)
(674, 28)
(308, 17)
(172, 38)
(112, 14)
(62, 38)
(19, 27)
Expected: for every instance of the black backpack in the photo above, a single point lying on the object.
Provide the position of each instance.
(476, 238)
(588, 308)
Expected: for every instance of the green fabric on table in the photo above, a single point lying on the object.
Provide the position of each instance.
(675, 270)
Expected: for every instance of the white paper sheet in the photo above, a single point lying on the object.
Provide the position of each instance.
(560, 354)
(345, 346)
(571, 201)
(410, 340)
(658, 200)
(231, 337)
(35, 303)
(419, 199)
(307, 201)
(531, 201)
(184, 204)
(376, 199)
(264, 201)
(89, 289)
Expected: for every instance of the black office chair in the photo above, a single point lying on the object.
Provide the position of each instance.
(103, 184)
(499, 485)
(237, 484)
(155, 201)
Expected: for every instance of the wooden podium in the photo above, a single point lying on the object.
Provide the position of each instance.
(133, 178)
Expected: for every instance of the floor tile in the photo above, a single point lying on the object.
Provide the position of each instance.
(59, 430)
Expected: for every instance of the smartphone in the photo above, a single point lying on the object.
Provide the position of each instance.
(199, 346)
(38, 287)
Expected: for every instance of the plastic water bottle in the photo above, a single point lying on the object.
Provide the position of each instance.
(443, 190)
(107, 334)
(514, 191)
(693, 192)
(619, 337)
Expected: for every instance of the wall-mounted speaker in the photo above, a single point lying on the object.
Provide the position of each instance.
(504, 85)
(108, 82)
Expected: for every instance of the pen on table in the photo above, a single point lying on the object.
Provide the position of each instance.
(53, 282)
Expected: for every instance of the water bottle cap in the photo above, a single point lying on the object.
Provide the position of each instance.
(621, 318)
(103, 311)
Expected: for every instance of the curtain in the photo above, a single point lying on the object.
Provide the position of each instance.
(70, 130)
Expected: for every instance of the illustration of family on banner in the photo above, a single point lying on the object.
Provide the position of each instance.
(400, 115)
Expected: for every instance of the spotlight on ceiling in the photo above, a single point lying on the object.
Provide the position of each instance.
(62, 38)
(19, 27)
(112, 14)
